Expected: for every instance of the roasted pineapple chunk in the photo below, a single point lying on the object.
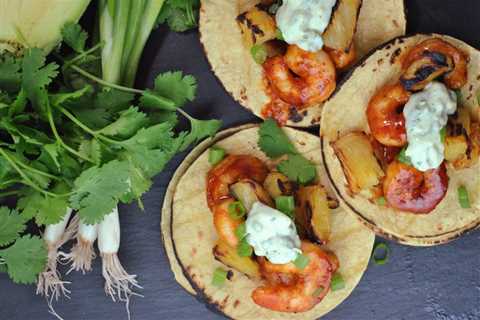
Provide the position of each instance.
(313, 212)
(257, 27)
(455, 148)
(229, 256)
(343, 24)
(248, 192)
(358, 161)
(278, 184)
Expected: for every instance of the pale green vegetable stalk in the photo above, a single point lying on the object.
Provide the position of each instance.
(125, 26)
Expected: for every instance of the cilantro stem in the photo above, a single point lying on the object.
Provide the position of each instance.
(84, 127)
(8, 193)
(34, 170)
(26, 179)
(90, 76)
(60, 140)
(83, 54)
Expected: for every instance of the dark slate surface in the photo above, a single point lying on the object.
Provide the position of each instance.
(441, 283)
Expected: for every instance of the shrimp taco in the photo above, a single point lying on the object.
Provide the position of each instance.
(251, 227)
(282, 59)
(401, 140)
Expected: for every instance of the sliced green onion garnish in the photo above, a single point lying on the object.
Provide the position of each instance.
(259, 53)
(301, 262)
(236, 210)
(381, 252)
(443, 134)
(318, 292)
(241, 231)
(244, 249)
(219, 277)
(337, 282)
(280, 35)
(286, 204)
(215, 155)
(463, 197)
(381, 201)
(403, 158)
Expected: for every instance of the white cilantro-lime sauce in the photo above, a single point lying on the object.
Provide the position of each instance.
(302, 22)
(272, 234)
(426, 113)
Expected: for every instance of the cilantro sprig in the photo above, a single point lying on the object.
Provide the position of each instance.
(275, 143)
(179, 15)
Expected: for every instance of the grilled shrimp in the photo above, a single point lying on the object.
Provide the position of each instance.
(456, 78)
(408, 189)
(289, 289)
(232, 169)
(301, 78)
(385, 119)
(341, 58)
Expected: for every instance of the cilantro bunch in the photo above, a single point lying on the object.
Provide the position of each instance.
(69, 139)
(179, 15)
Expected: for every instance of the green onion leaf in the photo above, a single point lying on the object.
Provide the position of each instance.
(459, 95)
(301, 262)
(236, 210)
(241, 231)
(381, 253)
(285, 204)
(318, 291)
(381, 201)
(443, 134)
(279, 35)
(403, 158)
(244, 249)
(337, 282)
(463, 198)
(215, 155)
(219, 277)
(259, 53)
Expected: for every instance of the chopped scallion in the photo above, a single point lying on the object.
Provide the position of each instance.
(219, 277)
(337, 282)
(280, 35)
(244, 249)
(463, 198)
(381, 253)
(403, 158)
(236, 210)
(259, 53)
(318, 291)
(301, 262)
(215, 155)
(241, 231)
(381, 201)
(285, 204)
(443, 134)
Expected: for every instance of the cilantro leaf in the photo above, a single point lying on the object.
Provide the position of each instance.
(113, 100)
(180, 15)
(36, 75)
(45, 210)
(91, 149)
(129, 122)
(273, 141)
(10, 76)
(11, 226)
(74, 36)
(171, 85)
(199, 130)
(98, 190)
(25, 259)
(298, 169)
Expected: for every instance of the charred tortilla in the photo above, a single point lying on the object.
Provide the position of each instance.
(378, 22)
(346, 112)
(189, 234)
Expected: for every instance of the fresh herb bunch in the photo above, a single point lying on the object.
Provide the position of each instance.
(69, 139)
(179, 15)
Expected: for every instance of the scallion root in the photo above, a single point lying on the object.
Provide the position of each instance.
(118, 283)
(83, 253)
(49, 282)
